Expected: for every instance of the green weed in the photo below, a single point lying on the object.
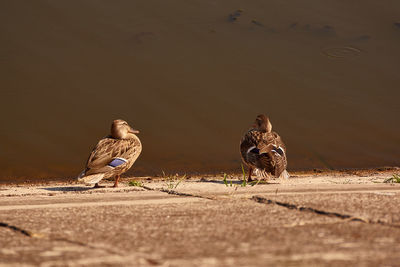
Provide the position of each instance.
(135, 183)
(394, 179)
(226, 181)
(172, 181)
(244, 183)
(253, 183)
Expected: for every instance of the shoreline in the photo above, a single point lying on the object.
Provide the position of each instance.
(314, 172)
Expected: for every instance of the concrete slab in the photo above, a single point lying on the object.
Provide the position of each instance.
(202, 223)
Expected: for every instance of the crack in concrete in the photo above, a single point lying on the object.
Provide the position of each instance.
(176, 193)
(79, 243)
(82, 244)
(173, 192)
(62, 239)
(149, 260)
(263, 200)
(17, 229)
(342, 216)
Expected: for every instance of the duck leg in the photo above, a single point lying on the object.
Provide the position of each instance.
(98, 186)
(250, 173)
(116, 180)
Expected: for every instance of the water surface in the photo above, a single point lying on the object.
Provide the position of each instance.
(192, 76)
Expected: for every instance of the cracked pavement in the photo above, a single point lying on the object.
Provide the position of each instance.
(204, 222)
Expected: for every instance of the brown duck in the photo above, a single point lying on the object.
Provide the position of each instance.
(113, 155)
(263, 150)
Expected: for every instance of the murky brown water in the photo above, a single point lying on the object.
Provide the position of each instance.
(192, 75)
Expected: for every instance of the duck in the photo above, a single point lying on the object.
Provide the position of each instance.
(113, 155)
(263, 151)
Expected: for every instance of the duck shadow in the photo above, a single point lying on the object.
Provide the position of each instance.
(221, 182)
(239, 182)
(67, 189)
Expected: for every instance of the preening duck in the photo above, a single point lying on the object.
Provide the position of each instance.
(263, 150)
(113, 155)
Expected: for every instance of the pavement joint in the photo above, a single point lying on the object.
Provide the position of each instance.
(82, 244)
(342, 216)
(176, 193)
(345, 217)
(62, 239)
(182, 194)
(17, 229)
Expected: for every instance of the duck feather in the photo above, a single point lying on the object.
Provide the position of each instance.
(110, 157)
(264, 152)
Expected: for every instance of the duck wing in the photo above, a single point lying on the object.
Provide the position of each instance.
(273, 146)
(247, 143)
(264, 151)
(108, 154)
(250, 152)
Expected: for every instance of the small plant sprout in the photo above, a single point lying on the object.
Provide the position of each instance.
(135, 183)
(244, 183)
(253, 183)
(172, 181)
(225, 182)
(179, 181)
(394, 179)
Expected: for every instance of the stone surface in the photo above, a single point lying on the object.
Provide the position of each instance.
(215, 225)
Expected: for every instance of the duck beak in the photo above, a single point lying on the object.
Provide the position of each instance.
(133, 131)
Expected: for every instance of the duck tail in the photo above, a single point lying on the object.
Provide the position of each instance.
(90, 179)
(261, 173)
(284, 175)
(81, 175)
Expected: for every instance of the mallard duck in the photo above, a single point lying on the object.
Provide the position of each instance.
(263, 151)
(113, 155)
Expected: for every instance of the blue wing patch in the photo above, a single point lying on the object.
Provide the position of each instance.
(117, 162)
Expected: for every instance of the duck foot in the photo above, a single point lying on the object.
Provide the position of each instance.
(116, 181)
(250, 173)
(98, 186)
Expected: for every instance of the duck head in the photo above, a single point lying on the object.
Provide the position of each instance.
(263, 124)
(120, 129)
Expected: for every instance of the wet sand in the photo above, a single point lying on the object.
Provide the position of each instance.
(322, 219)
(192, 77)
